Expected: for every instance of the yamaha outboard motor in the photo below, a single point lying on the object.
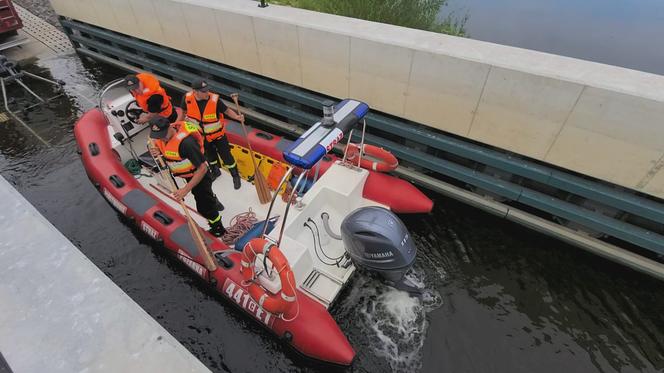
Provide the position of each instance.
(378, 241)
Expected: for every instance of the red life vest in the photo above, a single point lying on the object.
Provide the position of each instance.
(171, 150)
(213, 127)
(151, 87)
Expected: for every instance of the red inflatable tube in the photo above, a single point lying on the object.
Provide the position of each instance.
(402, 196)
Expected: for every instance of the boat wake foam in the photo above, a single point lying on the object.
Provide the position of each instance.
(394, 323)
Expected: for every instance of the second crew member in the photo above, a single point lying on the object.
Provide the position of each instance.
(181, 145)
(207, 109)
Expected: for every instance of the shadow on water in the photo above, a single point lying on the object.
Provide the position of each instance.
(497, 297)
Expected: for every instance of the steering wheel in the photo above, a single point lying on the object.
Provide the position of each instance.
(133, 111)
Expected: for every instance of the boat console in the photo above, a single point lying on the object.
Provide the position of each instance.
(121, 109)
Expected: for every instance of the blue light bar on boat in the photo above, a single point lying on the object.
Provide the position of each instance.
(306, 151)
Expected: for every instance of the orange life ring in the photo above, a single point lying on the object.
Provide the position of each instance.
(388, 162)
(285, 299)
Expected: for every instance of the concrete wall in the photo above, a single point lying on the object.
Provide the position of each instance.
(59, 313)
(603, 121)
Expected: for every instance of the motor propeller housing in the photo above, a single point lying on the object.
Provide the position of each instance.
(378, 241)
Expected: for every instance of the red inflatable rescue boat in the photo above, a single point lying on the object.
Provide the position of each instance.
(278, 279)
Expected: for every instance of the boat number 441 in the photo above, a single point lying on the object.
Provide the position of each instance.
(244, 300)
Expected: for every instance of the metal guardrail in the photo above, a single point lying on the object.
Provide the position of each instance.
(424, 148)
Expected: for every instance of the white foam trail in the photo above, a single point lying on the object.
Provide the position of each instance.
(394, 323)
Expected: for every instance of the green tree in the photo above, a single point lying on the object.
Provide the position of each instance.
(418, 14)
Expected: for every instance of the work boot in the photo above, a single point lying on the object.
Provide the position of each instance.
(217, 229)
(215, 172)
(236, 178)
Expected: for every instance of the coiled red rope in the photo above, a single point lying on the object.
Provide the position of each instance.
(238, 226)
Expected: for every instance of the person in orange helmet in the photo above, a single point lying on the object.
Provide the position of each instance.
(150, 97)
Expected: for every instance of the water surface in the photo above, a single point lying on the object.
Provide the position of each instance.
(625, 33)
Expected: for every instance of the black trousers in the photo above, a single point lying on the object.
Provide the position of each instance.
(206, 201)
(223, 148)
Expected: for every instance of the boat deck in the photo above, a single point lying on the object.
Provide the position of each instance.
(338, 192)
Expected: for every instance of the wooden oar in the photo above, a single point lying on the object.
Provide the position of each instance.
(194, 228)
(263, 190)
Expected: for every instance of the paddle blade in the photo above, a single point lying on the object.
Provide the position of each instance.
(199, 241)
(263, 190)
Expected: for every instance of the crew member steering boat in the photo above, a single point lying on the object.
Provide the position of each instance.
(150, 97)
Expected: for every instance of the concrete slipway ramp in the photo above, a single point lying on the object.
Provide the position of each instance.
(60, 313)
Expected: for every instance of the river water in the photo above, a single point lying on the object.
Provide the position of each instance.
(624, 33)
(498, 298)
